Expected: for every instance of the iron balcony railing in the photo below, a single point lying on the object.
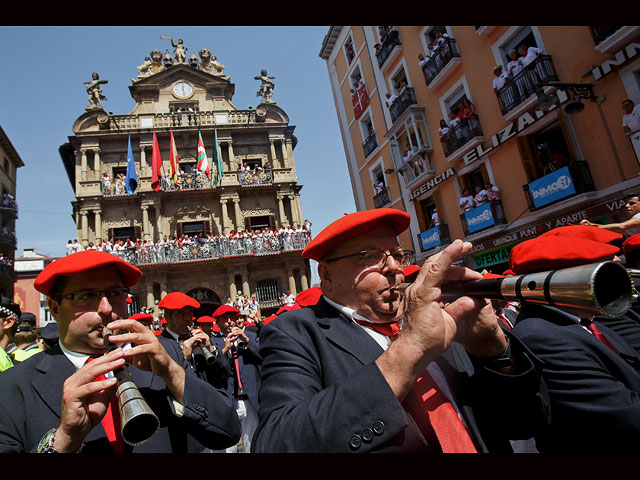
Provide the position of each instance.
(457, 136)
(392, 39)
(219, 247)
(400, 104)
(370, 144)
(441, 57)
(381, 199)
(444, 237)
(519, 88)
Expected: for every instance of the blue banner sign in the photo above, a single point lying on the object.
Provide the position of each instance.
(479, 218)
(430, 238)
(550, 188)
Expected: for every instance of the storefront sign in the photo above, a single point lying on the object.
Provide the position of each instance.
(620, 58)
(430, 238)
(552, 187)
(441, 177)
(491, 257)
(479, 218)
(511, 130)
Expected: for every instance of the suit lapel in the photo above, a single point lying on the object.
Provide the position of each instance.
(52, 370)
(345, 333)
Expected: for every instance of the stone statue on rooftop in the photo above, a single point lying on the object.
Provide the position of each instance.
(94, 90)
(210, 64)
(144, 69)
(180, 51)
(266, 87)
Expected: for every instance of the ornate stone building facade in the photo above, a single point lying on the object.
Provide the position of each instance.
(182, 103)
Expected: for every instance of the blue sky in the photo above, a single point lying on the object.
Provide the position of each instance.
(42, 94)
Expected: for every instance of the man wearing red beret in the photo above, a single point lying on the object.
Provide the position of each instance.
(344, 376)
(241, 349)
(185, 343)
(61, 401)
(591, 371)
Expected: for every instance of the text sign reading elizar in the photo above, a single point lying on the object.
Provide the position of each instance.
(425, 187)
(511, 130)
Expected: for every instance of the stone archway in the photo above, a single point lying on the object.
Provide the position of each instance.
(208, 299)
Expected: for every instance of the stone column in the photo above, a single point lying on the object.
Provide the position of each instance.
(143, 162)
(97, 216)
(145, 222)
(157, 233)
(233, 293)
(164, 289)
(292, 282)
(285, 156)
(273, 153)
(295, 217)
(150, 298)
(283, 217)
(225, 216)
(304, 283)
(232, 158)
(245, 285)
(97, 165)
(83, 164)
(85, 228)
(238, 214)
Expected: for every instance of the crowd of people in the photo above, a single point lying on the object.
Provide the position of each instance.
(521, 84)
(178, 248)
(8, 201)
(482, 195)
(463, 122)
(437, 55)
(381, 357)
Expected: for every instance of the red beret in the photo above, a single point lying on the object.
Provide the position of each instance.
(142, 316)
(159, 331)
(163, 321)
(410, 270)
(354, 225)
(81, 262)
(215, 328)
(587, 232)
(632, 243)
(287, 308)
(310, 296)
(491, 275)
(551, 252)
(178, 300)
(222, 309)
(269, 318)
(205, 319)
(508, 272)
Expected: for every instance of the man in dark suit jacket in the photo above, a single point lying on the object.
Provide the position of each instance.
(594, 384)
(240, 347)
(56, 401)
(332, 383)
(185, 343)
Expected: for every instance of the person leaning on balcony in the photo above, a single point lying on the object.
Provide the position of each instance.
(467, 201)
(631, 117)
(515, 65)
(443, 130)
(390, 99)
(500, 78)
(628, 227)
(493, 192)
(481, 196)
(528, 54)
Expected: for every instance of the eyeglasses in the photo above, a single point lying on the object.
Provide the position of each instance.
(378, 258)
(92, 297)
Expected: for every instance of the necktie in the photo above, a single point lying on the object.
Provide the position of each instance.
(593, 328)
(111, 420)
(449, 429)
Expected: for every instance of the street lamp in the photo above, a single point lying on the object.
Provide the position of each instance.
(579, 90)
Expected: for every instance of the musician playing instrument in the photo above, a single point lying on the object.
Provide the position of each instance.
(332, 381)
(57, 402)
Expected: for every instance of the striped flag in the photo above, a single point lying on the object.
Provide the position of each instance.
(173, 161)
(217, 156)
(156, 164)
(203, 163)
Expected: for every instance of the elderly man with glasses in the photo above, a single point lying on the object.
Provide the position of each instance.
(64, 400)
(373, 368)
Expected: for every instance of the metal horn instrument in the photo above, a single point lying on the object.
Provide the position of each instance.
(138, 423)
(209, 356)
(604, 288)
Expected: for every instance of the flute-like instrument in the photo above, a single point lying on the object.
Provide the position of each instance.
(604, 288)
(209, 356)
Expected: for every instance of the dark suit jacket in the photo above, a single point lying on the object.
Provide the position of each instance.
(322, 392)
(31, 397)
(249, 361)
(594, 392)
(215, 373)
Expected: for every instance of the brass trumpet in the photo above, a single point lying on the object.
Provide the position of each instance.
(209, 356)
(604, 288)
(138, 423)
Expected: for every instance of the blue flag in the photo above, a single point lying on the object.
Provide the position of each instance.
(131, 180)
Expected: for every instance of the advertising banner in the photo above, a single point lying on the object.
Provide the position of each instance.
(479, 218)
(430, 238)
(552, 187)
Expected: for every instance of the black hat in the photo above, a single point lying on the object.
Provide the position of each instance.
(27, 322)
(49, 332)
(8, 308)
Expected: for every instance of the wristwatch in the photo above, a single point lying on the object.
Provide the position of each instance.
(501, 361)
(46, 443)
